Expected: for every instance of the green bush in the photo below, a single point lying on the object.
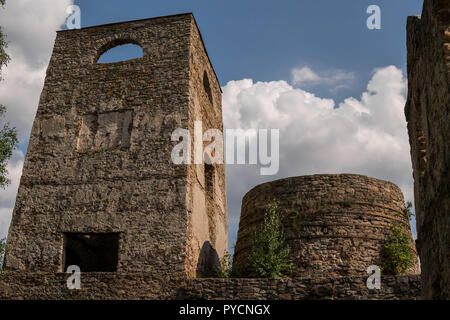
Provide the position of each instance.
(397, 253)
(227, 268)
(269, 252)
(408, 210)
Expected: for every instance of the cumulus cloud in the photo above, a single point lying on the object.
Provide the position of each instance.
(8, 195)
(31, 28)
(366, 135)
(337, 79)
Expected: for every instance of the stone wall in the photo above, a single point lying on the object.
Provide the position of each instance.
(335, 224)
(99, 157)
(428, 116)
(206, 192)
(105, 286)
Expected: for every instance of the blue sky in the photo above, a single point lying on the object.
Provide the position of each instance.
(264, 40)
(261, 50)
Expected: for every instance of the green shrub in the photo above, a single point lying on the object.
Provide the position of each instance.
(408, 210)
(397, 253)
(269, 253)
(228, 269)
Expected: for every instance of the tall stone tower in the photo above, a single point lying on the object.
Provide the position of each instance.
(428, 116)
(99, 189)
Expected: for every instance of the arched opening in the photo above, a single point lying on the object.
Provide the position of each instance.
(207, 87)
(117, 52)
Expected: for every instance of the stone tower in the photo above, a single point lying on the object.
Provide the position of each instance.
(428, 116)
(99, 188)
(335, 224)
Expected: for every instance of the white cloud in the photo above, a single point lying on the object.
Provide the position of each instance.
(8, 195)
(337, 79)
(305, 74)
(366, 136)
(5, 219)
(31, 28)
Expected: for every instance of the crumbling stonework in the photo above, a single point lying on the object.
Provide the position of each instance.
(335, 224)
(106, 286)
(428, 116)
(99, 157)
(99, 189)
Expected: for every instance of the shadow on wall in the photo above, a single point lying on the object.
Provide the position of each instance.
(208, 261)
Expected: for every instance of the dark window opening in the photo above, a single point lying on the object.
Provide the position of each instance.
(92, 252)
(207, 86)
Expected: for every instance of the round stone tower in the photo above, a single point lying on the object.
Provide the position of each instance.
(335, 224)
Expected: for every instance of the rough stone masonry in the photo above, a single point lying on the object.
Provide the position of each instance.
(335, 224)
(428, 116)
(99, 189)
(98, 172)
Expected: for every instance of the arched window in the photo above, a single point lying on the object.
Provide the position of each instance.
(120, 51)
(207, 87)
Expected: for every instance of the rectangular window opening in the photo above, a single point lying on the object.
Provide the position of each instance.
(91, 252)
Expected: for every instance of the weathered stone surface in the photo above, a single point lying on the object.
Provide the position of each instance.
(99, 157)
(147, 286)
(99, 162)
(335, 224)
(427, 113)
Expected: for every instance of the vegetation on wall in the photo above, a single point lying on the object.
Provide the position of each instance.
(269, 252)
(228, 269)
(408, 210)
(397, 253)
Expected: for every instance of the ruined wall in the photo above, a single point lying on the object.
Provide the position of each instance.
(99, 158)
(335, 224)
(207, 203)
(104, 286)
(428, 116)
